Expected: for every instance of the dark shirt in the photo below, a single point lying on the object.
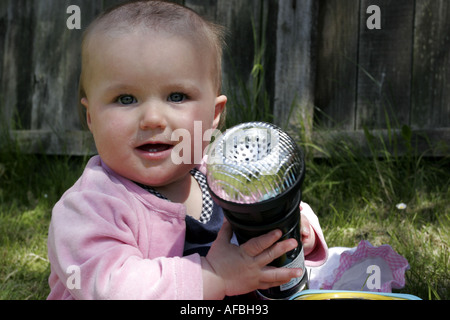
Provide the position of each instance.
(200, 233)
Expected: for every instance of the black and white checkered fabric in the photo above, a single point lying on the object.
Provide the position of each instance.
(207, 202)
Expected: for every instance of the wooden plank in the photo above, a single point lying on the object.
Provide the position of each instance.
(205, 8)
(107, 4)
(16, 80)
(3, 28)
(242, 20)
(56, 68)
(384, 73)
(76, 142)
(431, 79)
(426, 143)
(236, 16)
(335, 88)
(293, 101)
(429, 142)
(41, 64)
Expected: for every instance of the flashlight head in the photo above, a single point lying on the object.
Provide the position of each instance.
(253, 167)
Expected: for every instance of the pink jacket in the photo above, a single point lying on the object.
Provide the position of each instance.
(111, 239)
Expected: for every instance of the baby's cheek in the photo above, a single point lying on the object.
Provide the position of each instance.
(309, 241)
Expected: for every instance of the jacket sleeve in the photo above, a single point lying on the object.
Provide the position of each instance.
(320, 253)
(96, 235)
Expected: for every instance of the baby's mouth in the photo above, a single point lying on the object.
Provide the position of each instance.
(154, 148)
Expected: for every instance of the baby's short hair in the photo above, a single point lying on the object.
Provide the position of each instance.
(160, 16)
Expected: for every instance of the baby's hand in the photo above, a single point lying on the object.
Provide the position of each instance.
(230, 270)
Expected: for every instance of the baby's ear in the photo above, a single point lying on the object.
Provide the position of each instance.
(219, 112)
(85, 103)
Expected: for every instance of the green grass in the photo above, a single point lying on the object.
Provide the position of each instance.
(354, 196)
(29, 187)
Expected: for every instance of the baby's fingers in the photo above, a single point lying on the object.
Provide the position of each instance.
(256, 246)
(273, 277)
(275, 251)
(225, 232)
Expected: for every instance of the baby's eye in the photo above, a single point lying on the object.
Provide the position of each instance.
(177, 97)
(126, 99)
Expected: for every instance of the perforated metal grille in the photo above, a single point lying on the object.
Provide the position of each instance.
(253, 162)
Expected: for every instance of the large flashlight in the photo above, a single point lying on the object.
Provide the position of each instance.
(255, 172)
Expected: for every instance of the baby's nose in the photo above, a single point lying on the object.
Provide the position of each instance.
(153, 115)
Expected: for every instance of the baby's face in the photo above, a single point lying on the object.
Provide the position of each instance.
(140, 89)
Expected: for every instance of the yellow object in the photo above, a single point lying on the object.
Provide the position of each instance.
(350, 295)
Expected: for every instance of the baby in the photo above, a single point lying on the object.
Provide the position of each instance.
(135, 225)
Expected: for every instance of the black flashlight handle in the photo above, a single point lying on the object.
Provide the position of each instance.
(290, 225)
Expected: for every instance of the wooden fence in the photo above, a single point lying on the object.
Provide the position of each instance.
(333, 67)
